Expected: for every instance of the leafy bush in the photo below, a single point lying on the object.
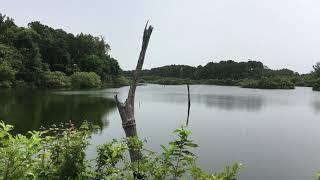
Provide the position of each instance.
(121, 81)
(268, 83)
(7, 74)
(85, 80)
(56, 153)
(316, 85)
(249, 83)
(224, 82)
(116, 81)
(169, 81)
(59, 153)
(55, 79)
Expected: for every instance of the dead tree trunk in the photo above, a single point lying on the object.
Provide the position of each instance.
(188, 104)
(126, 109)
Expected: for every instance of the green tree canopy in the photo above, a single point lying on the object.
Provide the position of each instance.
(37, 48)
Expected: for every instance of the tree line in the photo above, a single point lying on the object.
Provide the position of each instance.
(29, 54)
(217, 70)
(248, 74)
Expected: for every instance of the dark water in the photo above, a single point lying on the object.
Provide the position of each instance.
(273, 133)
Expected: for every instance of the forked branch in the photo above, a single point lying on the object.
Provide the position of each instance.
(126, 109)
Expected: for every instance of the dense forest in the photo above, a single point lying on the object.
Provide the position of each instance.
(41, 56)
(251, 74)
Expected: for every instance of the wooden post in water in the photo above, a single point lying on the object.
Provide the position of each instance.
(126, 109)
(188, 104)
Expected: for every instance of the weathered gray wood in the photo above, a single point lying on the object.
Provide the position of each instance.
(188, 104)
(126, 109)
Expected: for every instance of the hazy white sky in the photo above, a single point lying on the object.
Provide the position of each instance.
(280, 33)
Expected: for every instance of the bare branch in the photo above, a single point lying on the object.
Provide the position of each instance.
(136, 76)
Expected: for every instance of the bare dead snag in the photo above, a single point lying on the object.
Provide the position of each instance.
(188, 104)
(126, 109)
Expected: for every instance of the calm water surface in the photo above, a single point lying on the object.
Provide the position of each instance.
(273, 133)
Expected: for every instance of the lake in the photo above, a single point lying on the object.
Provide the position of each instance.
(273, 133)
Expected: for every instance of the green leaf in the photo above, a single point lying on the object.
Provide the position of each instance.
(164, 148)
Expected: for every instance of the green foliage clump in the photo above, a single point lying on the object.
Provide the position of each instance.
(85, 80)
(55, 79)
(268, 83)
(7, 74)
(249, 83)
(169, 81)
(55, 153)
(116, 82)
(316, 75)
(59, 153)
(316, 70)
(16, 153)
(38, 48)
(316, 85)
(121, 81)
(229, 173)
(225, 82)
(304, 80)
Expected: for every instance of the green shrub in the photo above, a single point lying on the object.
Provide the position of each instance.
(169, 81)
(85, 80)
(268, 83)
(20, 83)
(59, 153)
(120, 81)
(55, 79)
(7, 74)
(5, 84)
(55, 153)
(16, 153)
(224, 82)
(249, 83)
(316, 85)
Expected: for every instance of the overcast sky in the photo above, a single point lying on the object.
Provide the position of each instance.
(280, 33)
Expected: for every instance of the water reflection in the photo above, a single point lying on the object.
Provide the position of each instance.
(227, 102)
(316, 106)
(28, 110)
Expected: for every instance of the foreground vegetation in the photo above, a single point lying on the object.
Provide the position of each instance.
(251, 74)
(59, 153)
(40, 56)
